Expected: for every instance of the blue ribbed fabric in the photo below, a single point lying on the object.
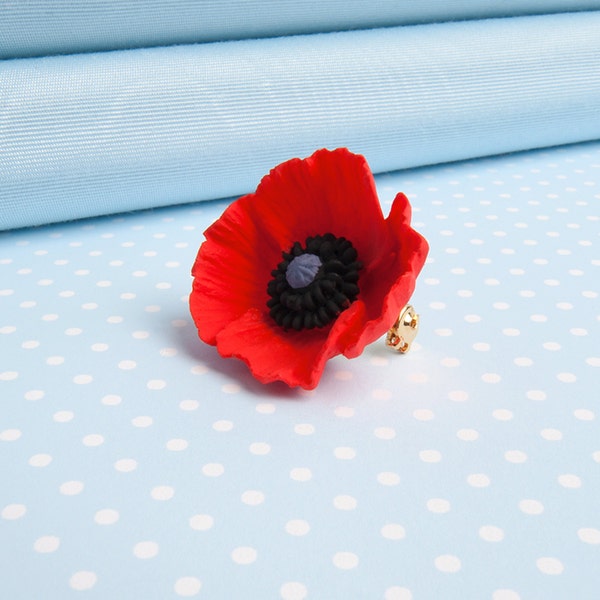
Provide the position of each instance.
(92, 134)
(41, 27)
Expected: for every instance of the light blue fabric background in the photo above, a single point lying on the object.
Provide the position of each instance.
(92, 134)
(41, 27)
(136, 463)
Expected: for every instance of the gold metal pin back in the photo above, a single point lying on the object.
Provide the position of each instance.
(404, 331)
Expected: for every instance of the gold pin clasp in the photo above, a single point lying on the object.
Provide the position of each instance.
(404, 331)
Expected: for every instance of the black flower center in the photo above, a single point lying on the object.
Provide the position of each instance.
(313, 284)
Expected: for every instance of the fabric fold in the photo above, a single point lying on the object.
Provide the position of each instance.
(43, 27)
(99, 133)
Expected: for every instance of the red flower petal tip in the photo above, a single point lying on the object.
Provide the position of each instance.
(305, 268)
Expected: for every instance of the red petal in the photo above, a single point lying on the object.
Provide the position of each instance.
(329, 192)
(272, 354)
(388, 283)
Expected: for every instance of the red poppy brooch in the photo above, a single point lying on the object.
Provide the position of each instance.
(306, 268)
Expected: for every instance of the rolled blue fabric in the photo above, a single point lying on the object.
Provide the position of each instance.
(41, 27)
(92, 134)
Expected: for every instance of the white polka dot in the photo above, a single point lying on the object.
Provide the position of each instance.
(156, 384)
(388, 478)
(145, 550)
(142, 421)
(515, 456)
(423, 414)
(578, 331)
(187, 586)
(505, 594)
(450, 362)
(40, 460)
(244, 555)
(552, 435)
(162, 492)
(567, 377)
(549, 565)
(491, 378)
(55, 360)
(213, 469)
(481, 347)
(201, 522)
(260, 448)
(536, 395)
(583, 414)
(177, 445)
(189, 405)
(168, 352)
(29, 345)
(467, 435)
(379, 394)
(293, 590)
(397, 593)
(589, 535)
(111, 400)
(344, 412)
(83, 580)
(343, 375)
(71, 488)
(430, 456)
(523, 361)
(570, 481)
(491, 533)
(127, 365)
(46, 544)
(297, 527)
(126, 465)
(418, 377)
(34, 395)
(304, 429)
(253, 497)
(140, 335)
(301, 474)
(222, 426)
(231, 388)
(265, 408)
(106, 516)
(551, 346)
(438, 505)
(82, 379)
(531, 507)
(344, 453)
(344, 502)
(502, 414)
(472, 318)
(447, 563)
(7, 329)
(458, 396)
(10, 435)
(12, 512)
(393, 531)
(385, 433)
(478, 480)
(345, 560)
(92, 440)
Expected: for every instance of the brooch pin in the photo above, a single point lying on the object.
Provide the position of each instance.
(307, 268)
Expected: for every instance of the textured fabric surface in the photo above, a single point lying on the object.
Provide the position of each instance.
(40, 27)
(137, 464)
(91, 134)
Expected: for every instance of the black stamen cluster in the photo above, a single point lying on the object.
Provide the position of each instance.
(332, 290)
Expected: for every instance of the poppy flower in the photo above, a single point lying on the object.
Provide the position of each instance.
(305, 268)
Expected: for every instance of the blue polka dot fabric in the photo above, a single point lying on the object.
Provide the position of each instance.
(136, 463)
